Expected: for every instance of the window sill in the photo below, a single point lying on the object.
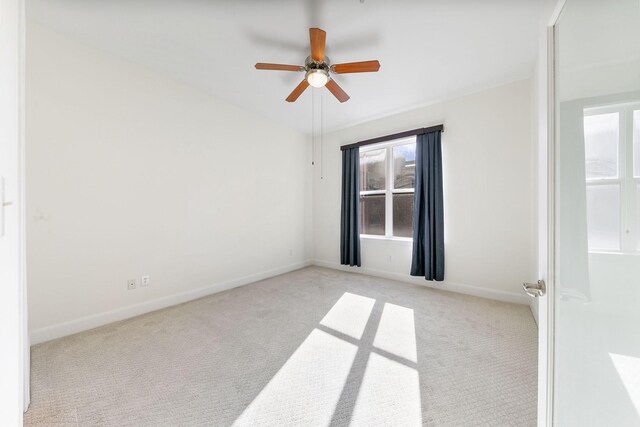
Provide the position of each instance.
(397, 240)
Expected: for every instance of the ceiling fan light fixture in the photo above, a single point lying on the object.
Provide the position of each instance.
(317, 77)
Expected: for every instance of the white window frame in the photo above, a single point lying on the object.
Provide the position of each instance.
(389, 190)
(629, 215)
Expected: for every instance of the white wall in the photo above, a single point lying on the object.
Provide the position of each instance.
(488, 198)
(598, 49)
(131, 173)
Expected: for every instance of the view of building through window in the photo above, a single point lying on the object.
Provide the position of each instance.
(387, 175)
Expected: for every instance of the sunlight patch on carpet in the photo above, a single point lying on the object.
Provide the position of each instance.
(307, 387)
(349, 315)
(396, 333)
(389, 395)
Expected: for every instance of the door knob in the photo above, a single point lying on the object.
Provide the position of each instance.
(535, 290)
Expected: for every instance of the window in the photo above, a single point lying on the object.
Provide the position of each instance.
(612, 172)
(387, 174)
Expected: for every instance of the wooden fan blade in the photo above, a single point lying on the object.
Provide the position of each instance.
(318, 38)
(356, 67)
(278, 67)
(337, 91)
(298, 91)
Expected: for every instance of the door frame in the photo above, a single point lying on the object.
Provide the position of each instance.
(546, 354)
(15, 344)
(22, 200)
(551, 235)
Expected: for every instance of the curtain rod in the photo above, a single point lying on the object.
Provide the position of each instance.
(414, 132)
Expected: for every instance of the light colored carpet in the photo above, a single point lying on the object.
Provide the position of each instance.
(312, 347)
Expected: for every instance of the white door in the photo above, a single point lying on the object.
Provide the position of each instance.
(596, 247)
(544, 301)
(13, 345)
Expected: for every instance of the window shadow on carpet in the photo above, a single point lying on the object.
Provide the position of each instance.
(357, 367)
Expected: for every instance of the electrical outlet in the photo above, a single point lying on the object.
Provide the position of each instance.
(131, 284)
(145, 281)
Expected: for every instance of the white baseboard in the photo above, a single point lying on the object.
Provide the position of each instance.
(89, 322)
(444, 286)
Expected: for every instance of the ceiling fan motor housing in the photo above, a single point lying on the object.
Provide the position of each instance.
(310, 64)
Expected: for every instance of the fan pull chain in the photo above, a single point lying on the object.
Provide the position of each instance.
(321, 135)
(313, 139)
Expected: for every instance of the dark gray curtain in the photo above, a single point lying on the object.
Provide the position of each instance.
(350, 217)
(428, 222)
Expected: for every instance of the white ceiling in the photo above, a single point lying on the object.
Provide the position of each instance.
(593, 33)
(429, 50)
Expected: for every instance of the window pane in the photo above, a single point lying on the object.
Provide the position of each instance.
(403, 215)
(372, 170)
(603, 216)
(636, 143)
(372, 214)
(601, 145)
(404, 165)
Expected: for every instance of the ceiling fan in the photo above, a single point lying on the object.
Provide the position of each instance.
(318, 69)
